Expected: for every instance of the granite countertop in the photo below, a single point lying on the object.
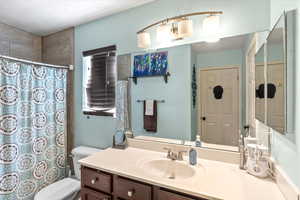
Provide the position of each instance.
(213, 180)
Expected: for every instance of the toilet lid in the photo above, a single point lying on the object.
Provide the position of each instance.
(59, 190)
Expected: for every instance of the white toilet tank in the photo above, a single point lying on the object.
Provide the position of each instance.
(80, 153)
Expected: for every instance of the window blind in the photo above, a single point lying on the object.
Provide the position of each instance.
(101, 81)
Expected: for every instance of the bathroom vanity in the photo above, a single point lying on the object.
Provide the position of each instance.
(100, 185)
(138, 174)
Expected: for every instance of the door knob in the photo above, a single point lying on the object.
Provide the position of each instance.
(203, 118)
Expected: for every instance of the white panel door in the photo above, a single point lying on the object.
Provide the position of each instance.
(219, 117)
(275, 105)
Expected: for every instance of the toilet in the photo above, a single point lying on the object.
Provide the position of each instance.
(67, 188)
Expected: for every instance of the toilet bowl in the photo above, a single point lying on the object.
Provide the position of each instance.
(67, 188)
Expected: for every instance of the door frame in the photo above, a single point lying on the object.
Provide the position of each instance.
(250, 88)
(199, 103)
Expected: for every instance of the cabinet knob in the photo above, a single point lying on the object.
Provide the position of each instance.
(93, 181)
(130, 193)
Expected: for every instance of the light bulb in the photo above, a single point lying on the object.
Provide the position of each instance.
(211, 24)
(144, 40)
(185, 28)
(211, 28)
(164, 33)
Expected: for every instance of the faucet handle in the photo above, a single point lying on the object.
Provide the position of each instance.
(180, 155)
(169, 151)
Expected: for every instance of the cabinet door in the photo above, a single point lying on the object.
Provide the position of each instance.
(165, 195)
(132, 190)
(87, 194)
(96, 180)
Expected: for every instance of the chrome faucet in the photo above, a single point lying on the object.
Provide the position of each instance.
(242, 151)
(173, 155)
(180, 155)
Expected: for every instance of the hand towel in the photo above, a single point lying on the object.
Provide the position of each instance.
(150, 122)
(149, 107)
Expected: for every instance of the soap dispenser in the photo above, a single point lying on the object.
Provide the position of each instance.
(193, 156)
(198, 141)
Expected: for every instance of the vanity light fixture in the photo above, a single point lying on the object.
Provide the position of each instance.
(185, 28)
(211, 28)
(144, 40)
(180, 27)
(164, 32)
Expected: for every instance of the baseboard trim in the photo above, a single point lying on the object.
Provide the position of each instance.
(286, 186)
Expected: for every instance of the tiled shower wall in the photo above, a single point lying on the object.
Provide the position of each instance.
(20, 44)
(57, 48)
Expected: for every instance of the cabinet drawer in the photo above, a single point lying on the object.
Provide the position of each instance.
(131, 190)
(96, 180)
(87, 194)
(165, 195)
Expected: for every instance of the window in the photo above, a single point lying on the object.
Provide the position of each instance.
(99, 81)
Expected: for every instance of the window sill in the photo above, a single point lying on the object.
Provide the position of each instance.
(98, 113)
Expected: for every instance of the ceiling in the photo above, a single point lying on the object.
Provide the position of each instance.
(229, 43)
(43, 17)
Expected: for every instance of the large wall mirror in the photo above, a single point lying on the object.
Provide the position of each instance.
(204, 94)
(201, 89)
(274, 76)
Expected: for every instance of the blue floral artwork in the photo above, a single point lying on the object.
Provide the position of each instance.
(153, 64)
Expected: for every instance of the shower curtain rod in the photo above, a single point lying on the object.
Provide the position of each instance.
(70, 67)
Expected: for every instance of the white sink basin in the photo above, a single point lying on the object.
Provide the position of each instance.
(169, 169)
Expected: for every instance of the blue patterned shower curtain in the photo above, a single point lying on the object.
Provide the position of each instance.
(32, 128)
(122, 114)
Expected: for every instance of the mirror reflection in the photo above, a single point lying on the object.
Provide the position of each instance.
(205, 87)
(276, 77)
(213, 86)
(260, 84)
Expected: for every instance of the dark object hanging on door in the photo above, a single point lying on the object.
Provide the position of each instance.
(218, 92)
(260, 92)
(271, 91)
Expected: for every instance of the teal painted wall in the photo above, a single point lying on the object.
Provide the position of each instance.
(221, 58)
(174, 116)
(120, 29)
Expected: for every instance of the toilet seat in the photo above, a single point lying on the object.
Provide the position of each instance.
(65, 189)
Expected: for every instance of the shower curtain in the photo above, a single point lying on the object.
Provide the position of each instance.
(32, 128)
(122, 115)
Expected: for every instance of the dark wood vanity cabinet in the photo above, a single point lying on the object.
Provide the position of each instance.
(165, 195)
(98, 185)
(96, 180)
(88, 194)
